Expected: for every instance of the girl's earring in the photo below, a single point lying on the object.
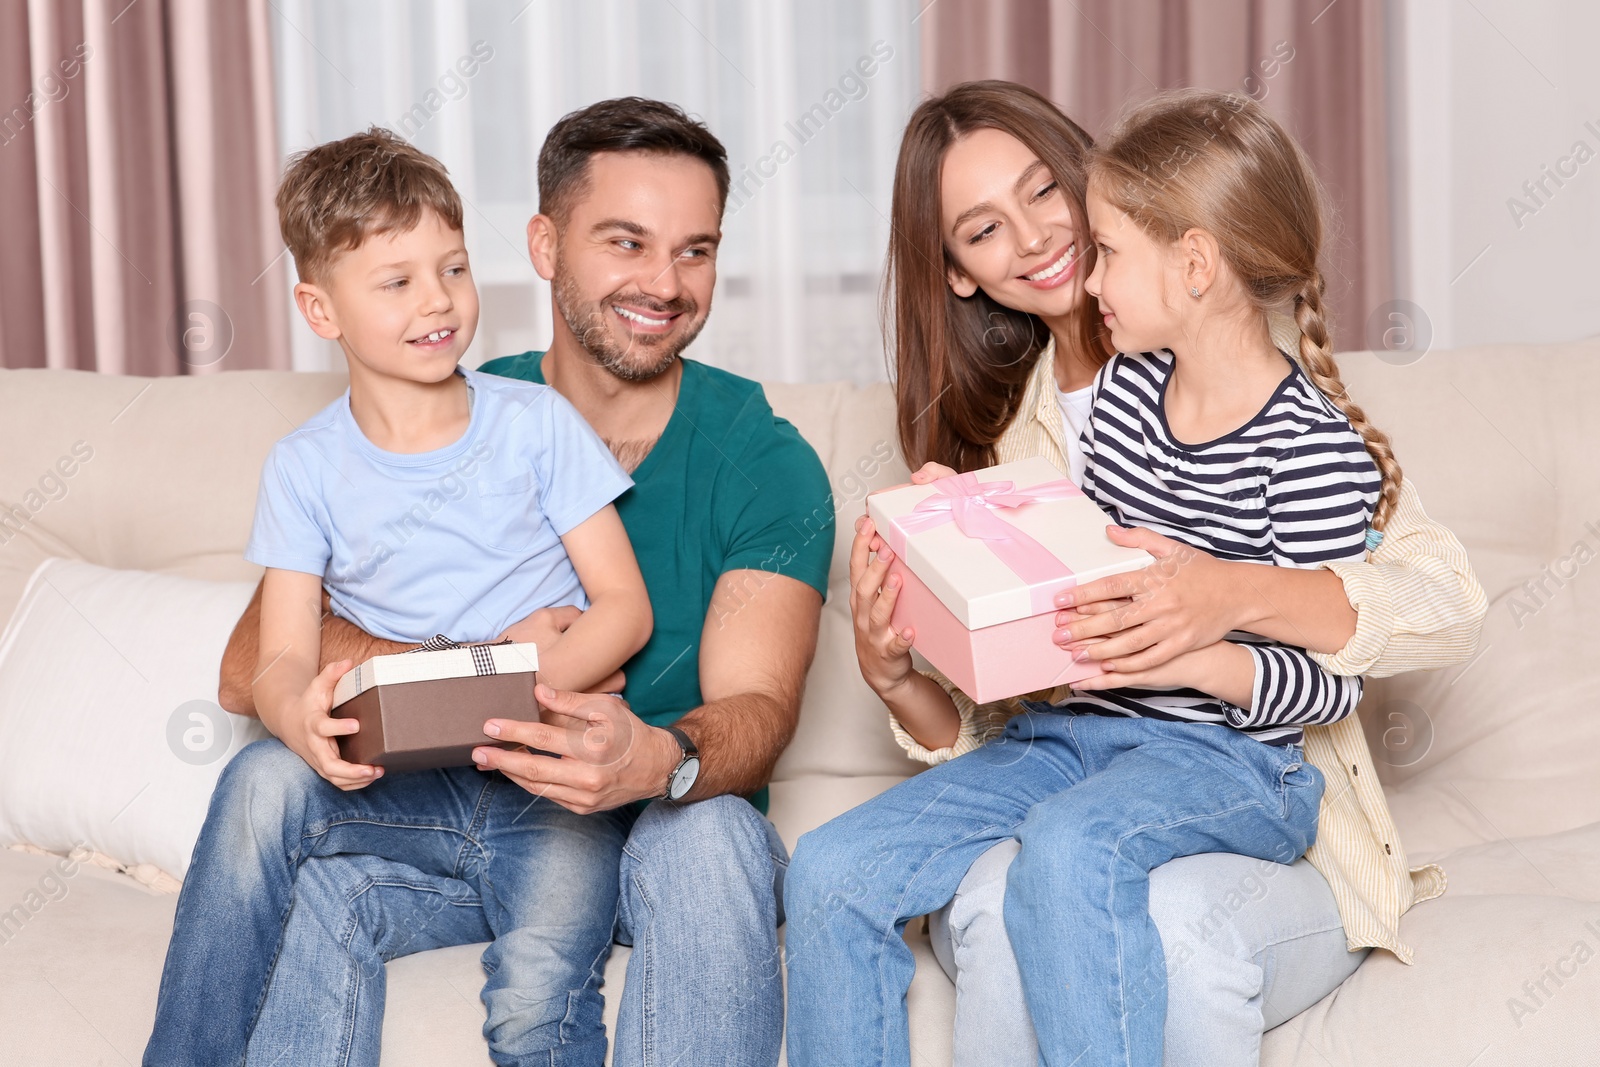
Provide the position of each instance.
(1194, 291)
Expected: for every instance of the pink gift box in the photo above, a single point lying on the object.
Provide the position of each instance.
(981, 557)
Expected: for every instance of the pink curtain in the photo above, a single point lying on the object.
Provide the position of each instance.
(138, 158)
(1318, 67)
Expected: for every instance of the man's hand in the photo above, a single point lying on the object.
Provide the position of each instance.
(753, 660)
(608, 756)
(312, 734)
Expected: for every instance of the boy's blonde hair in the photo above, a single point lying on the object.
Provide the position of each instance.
(1197, 159)
(336, 195)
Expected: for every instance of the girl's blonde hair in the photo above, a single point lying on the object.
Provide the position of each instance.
(1196, 159)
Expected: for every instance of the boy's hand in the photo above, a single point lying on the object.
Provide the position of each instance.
(312, 734)
(547, 626)
(544, 627)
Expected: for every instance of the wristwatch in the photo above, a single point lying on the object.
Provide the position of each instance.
(683, 776)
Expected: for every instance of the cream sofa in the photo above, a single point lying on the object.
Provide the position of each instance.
(1493, 768)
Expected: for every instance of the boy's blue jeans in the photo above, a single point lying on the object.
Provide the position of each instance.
(287, 913)
(1097, 802)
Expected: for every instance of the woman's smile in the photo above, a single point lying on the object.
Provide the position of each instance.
(1057, 272)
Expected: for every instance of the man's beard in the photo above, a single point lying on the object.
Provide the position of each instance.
(644, 357)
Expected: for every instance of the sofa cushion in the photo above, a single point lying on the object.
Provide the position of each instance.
(1507, 744)
(81, 973)
(1507, 970)
(852, 431)
(1496, 440)
(110, 735)
(82, 970)
(171, 483)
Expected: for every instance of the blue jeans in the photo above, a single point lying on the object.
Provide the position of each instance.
(547, 880)
(480, 853)
(700, 889)
(1097, 802)
(1249, 944)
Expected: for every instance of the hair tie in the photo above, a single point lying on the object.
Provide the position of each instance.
(1374, 539)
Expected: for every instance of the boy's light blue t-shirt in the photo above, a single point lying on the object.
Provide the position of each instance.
(462, 541)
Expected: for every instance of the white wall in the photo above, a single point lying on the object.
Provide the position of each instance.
(1496, 94)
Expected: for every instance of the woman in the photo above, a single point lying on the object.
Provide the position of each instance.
(996, 345)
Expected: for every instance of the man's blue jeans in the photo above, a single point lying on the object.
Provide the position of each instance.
(1097, 802)
(470, 846)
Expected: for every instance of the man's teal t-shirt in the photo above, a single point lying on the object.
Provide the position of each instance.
(728, 486)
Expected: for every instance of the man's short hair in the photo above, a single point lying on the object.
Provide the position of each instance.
(336, 195)
(625, 124)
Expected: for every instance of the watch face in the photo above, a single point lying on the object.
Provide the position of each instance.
(683, 778)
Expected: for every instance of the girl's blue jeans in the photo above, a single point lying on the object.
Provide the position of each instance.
(1096, 802)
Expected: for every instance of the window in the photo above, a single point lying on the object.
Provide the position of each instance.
(809, 96)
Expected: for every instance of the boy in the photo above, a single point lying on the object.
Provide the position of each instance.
(374, 497)
(429, 499)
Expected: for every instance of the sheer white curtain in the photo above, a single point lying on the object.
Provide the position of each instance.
(809, 96)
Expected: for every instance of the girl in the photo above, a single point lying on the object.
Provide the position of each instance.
(841, 932)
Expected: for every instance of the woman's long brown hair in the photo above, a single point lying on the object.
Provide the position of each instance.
(961, 363)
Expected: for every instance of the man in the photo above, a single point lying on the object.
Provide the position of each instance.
(721, 519)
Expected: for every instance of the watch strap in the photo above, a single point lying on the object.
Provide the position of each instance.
(691, 751)
(684, 741)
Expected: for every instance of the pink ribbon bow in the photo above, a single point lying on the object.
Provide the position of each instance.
(972, 506)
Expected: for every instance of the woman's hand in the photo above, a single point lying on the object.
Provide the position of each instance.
(924, 710)
(1136, 622)
(931, 472)
(883, 653)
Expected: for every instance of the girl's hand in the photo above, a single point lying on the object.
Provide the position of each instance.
(313, 735)
(1221, 669)
(1139, 621)
(883, 653)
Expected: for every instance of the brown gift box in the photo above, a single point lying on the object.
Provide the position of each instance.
(433, 722)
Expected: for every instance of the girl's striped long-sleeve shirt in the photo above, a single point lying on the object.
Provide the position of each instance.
(1418, 607)
(1293, 487)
